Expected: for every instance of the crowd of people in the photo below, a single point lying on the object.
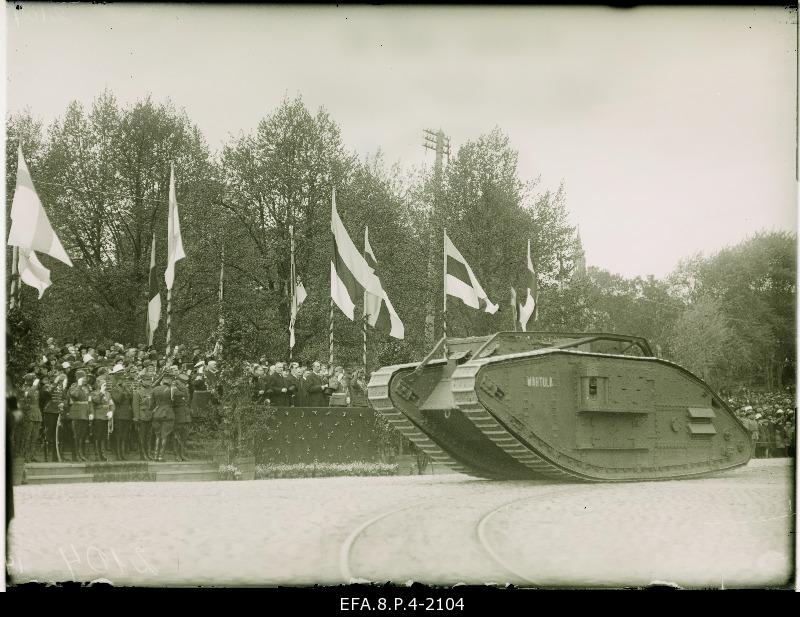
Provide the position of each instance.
(120, 399)
(770, 417)
(290, 384)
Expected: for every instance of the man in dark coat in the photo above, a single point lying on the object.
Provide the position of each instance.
(316, 388)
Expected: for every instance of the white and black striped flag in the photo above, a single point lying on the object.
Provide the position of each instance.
(460, 281)
(529, 308)
(380, 312)
(351, 275)
(153, 296)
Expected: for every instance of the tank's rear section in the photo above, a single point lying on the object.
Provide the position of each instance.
(579, 407)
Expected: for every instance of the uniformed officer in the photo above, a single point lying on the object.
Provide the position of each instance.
(79, 408)
(122, 395)
(163, 415)
(183, 415)
(143, 415)
(102, 413)
(51, 400)
(32, 417)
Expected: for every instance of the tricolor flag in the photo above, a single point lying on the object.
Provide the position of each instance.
(174, 242)
(296, 287)
(351, 275)
(379, 310)
(153, 296)
(30, 227)
(298, 295)
(31, 231)
(460, 281)
(529, 308)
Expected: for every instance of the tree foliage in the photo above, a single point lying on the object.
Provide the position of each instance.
(103, 175)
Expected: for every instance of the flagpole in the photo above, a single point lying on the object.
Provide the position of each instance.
(330, 320)
(169, 318)
(330, 336)
(292, 306)
(364, 319)
(444, 289)
(12, 296)
(220, 317)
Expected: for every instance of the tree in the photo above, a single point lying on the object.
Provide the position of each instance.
(702, 340)
(104, 179)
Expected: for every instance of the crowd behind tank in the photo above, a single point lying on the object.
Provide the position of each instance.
(122, 399)
(770, 417)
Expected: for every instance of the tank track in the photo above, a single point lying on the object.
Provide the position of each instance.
(380, 402)
(465, 397)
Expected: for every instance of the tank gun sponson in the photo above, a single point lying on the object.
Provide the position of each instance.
(563, 406)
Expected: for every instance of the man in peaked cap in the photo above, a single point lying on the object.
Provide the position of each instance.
(32, 417)
(79, 408)
(122, 395)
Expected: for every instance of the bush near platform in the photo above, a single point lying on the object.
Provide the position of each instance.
(324, 470)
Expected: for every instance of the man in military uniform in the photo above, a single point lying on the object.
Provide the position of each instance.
(163, 414)
(183, 415)
(143, 415)
(79, 407)
(101, 414)
(32, 417)
(122, 395)
(53, 400)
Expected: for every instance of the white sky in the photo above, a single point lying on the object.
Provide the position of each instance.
(673, 128)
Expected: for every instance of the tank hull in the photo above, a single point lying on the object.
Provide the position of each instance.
(563, 414)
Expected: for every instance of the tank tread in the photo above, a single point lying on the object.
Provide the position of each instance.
(467, 401)
(380, 402)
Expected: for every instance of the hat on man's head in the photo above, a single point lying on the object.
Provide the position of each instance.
(118, 368)
(184, 377)
(80, 373)
(30, 377)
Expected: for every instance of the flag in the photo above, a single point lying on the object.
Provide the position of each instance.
(380, 312)
(298, 295)
(32, 272)
(30, 227)
(351, 275)
(174, 242)
(528, 309)
(460, 281)
(153, 296)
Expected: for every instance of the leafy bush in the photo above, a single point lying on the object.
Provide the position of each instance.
(325, 470)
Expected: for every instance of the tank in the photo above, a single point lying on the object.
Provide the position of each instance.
(593, 407)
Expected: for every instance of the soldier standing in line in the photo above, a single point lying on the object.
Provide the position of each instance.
(183, 415)
(53, 399)
(102, 413)
(163, 415)
(28, 430)
(143, 415)
(79, 408)
(122, 396)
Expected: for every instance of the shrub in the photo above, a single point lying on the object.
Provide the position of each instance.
(325, 470)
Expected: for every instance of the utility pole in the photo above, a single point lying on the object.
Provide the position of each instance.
(439, 143)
